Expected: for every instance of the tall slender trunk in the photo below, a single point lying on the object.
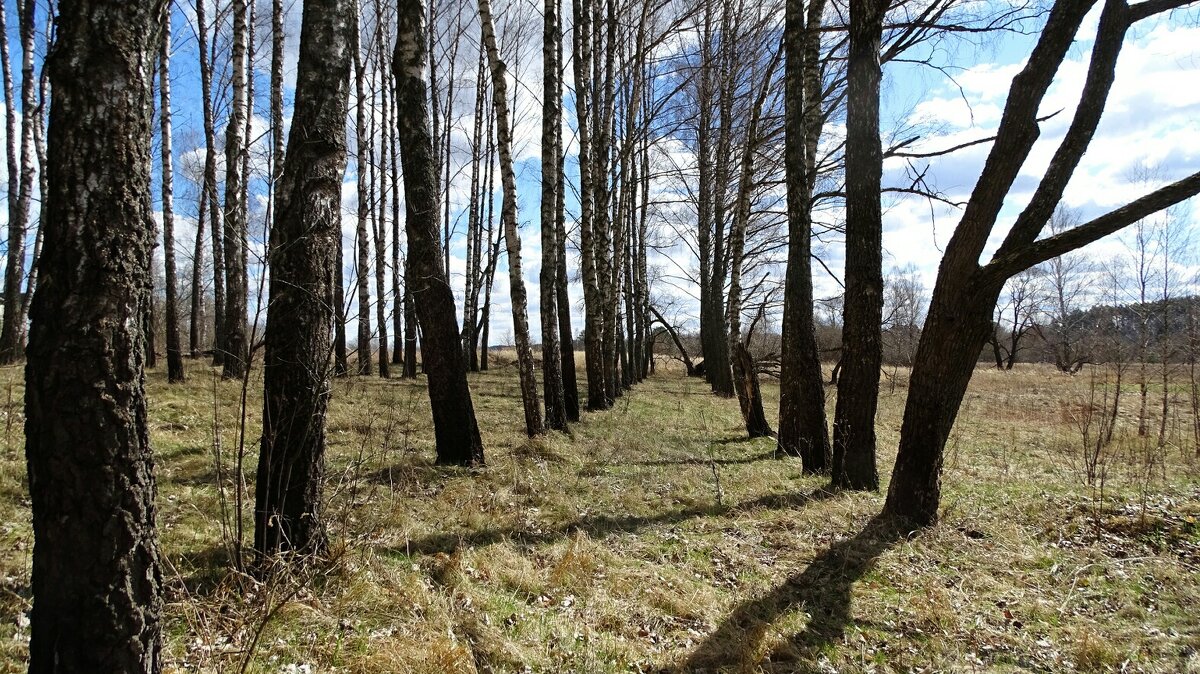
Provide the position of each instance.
(562, 297)
(362, 241)
(196, 315)
(174, 351)
(455, 427)
(802, 426)
(508, 216)
(858, 384)
(97, 579)
(389, 91)
(743, 368)
(39, 145)
(303, 251)
(207, 52)
(556, 411)
(237, 352)
(381, 213)
(471, 293)
(13, 325)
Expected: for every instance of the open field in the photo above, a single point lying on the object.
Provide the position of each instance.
(656, 538)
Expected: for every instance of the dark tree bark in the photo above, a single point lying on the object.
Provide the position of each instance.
(174, 350)
(802, 427)
(455, 428)
(237, 351)
(858, 385)
(960, 313)
(97, 582)
(552, 360)
(303, 252)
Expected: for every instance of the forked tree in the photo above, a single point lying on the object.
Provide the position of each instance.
(300, 314)
(960, 312)
(455, 428)
(97, 581)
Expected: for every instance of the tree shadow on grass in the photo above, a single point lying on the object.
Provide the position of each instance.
(822, 590)
(599, 526)
(701, 461)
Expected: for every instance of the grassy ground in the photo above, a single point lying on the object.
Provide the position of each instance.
(655, 538)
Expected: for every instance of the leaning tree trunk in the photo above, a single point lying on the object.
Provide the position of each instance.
(802, 427)
(174, 349)
(455, 429)
(97, 581)
(300, 314)
(556, 409)
(237, 351)
(858, 385)
(960, 309)
(508, 214)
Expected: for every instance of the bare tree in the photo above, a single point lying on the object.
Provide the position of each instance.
(508, 214)
(960, 311)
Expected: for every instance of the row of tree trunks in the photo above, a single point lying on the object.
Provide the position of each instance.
(21, 177)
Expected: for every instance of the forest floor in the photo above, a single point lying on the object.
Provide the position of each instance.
(657, 538)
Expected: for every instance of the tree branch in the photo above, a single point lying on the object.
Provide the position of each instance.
(1004, 266)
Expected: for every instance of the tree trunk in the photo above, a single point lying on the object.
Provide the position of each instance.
(303, 253)
(802, 426)
(381, 218)
(13, 325)
(207, 50)
(196, 314)
(97, 581)
(858, 385)
(362, 241)
(960, 309)
(508, 216)
(562, 297)
(556, 409)
(455, 428)
(237, 351)
(174, 350)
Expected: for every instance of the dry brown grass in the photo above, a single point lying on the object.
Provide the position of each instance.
(613, 550)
